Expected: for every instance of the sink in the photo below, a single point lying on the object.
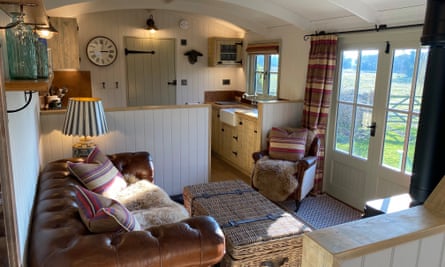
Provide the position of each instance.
(228, 115)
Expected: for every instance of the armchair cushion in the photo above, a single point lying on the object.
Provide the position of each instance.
(287, 143)
(102, 215)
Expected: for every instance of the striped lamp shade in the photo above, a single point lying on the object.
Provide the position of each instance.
(85, 117)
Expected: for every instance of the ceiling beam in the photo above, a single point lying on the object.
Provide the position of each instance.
(359, 9)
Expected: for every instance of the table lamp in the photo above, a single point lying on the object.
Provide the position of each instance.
(85, 117)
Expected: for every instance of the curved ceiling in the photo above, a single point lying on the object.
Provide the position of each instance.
(262, 15)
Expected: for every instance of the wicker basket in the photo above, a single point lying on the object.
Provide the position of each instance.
(258, 232)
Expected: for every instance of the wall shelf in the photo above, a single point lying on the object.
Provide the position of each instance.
(25, 85)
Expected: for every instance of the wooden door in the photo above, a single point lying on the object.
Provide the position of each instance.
(151, 74)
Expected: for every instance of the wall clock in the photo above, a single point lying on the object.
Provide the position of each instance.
(184, 24)
(101, 51)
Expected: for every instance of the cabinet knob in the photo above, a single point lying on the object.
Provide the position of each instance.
(222, 129)
(235, 137)
(235, 153)
(240, 123)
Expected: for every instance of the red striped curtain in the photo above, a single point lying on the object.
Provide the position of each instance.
(317, 98)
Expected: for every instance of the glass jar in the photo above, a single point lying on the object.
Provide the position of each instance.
(42, 58)
(20, 44)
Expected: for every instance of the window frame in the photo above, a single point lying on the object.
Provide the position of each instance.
(267, 50)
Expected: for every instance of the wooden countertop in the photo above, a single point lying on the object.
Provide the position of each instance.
(372, 234)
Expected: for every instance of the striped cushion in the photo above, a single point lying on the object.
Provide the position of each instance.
(99, 174)
(287, 143)
(101, 214)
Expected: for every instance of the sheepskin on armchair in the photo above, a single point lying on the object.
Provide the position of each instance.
(287, 168)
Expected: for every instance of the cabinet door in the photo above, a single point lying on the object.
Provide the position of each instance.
(226, 141)
(250, 142)
(225, 51)
(65, 45)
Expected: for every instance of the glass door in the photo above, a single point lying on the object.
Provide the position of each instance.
(375, 107)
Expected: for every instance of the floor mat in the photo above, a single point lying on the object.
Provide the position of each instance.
(322, 211)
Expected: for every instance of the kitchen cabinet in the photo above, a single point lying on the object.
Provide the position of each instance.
(65, 45)
(225, 51)
(235, 144)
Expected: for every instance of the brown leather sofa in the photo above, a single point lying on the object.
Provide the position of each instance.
(59, 238)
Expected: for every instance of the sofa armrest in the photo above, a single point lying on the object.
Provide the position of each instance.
(307, 162)
(139, 164)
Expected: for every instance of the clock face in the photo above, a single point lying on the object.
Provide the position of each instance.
(184, 24)
(101, 51)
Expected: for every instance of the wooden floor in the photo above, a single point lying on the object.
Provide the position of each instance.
(221, 171)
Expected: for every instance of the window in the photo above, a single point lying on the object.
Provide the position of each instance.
(263, 69)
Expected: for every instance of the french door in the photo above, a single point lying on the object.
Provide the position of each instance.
(374, 117)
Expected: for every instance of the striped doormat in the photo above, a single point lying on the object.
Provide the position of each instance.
(322, 211)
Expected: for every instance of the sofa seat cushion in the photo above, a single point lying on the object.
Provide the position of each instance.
(98, 174)
(150, 204)
(101, 214)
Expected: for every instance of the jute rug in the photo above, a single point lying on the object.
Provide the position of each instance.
(322, 211)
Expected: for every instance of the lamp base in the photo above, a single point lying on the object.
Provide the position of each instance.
(83, 148)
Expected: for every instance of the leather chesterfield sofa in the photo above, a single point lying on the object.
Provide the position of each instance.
(58, 236)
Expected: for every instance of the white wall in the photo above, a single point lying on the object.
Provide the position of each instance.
(118, 24)
(24, 144)
(200, 77)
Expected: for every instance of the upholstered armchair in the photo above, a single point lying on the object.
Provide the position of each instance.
(286, 169)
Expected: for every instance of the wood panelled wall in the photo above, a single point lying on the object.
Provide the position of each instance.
(119, 24)
(177, 137)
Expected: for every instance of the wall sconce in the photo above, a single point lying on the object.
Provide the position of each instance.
(151, 24)
(85, 117)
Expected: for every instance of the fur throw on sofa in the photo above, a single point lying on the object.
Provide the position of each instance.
(275, 179)
(150, 204)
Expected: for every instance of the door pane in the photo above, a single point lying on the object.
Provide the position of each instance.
(361, 132)
(368, 71)
(348, 75)
(420, 79)
(393, 148)
(402, 78)
(411, 144)
(343, 131)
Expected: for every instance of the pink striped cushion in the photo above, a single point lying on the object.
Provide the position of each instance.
(287, 143)
(99, 174)
(101, 214)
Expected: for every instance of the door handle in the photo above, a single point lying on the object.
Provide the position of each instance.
(372, 128)
(173, 82)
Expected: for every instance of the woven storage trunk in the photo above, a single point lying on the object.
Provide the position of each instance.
(258, 232)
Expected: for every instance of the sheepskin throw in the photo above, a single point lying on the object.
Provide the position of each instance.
(275, 178)
(150, 204)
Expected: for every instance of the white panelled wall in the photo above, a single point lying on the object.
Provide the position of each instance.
(119, 24)
(178, 138)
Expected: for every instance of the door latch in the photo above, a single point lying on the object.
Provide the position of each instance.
(372, 128)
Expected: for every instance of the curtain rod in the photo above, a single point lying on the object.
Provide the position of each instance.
(376, 28)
